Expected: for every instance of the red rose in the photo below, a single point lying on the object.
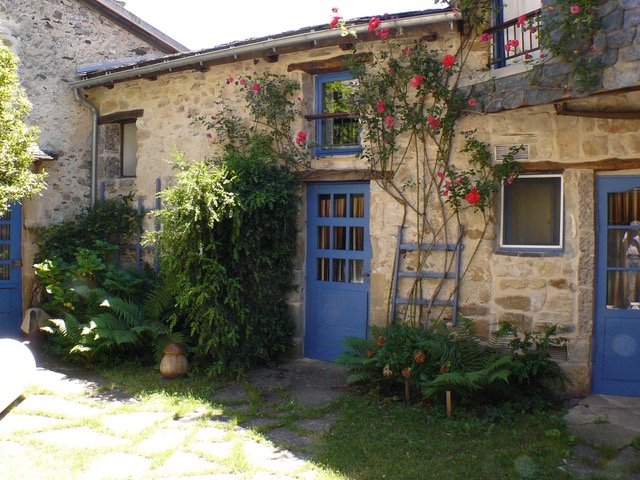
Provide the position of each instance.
(448, 60)
(374, 23)
(417, 80)
(472, 197)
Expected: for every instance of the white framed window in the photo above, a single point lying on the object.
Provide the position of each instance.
(337, 132)
(532, 213)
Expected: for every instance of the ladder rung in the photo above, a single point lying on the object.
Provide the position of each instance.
(426, 275)
(412, 247)
(424, 301)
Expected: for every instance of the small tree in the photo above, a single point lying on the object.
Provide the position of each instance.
(16, 137)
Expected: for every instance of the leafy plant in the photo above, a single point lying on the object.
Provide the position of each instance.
(17, 139)
(112, 325)
(226, 249)
(112, 221)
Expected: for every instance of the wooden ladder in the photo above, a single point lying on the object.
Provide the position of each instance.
(454, 275)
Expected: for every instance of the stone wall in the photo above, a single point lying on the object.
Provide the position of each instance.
(52, 38)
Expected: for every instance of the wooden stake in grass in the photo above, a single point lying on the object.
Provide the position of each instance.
(449, 404)
(407, 392)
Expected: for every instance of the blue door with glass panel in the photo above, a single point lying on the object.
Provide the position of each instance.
(338, 267)
(10, 271)
(616, 353)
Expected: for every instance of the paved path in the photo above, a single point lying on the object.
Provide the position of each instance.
(607, 429)
(71, 428)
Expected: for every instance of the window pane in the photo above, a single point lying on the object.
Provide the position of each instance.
(324, 205)
(6, 215)
(339, 265)
(531, 212)
(5, 232)
(340, 238)
(339, 131)
(357, 205)
(324, 235)
(323, 269)
(5, 272)
(356, 238)
(338, 95)
(129, 150)
(356, 271)
(340, 205)
(5, 252)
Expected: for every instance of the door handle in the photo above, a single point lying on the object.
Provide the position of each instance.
(16, 263)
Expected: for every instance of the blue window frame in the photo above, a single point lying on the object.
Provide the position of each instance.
(533, 214)
(337, 132)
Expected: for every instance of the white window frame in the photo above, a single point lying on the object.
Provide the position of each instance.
(534, 248)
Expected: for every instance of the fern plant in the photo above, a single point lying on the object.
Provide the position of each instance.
(113, 325)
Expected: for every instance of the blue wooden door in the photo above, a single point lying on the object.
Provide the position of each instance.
(10, 272)
(616, 355)
(338, 267)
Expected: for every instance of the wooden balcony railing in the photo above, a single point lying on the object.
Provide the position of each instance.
(512, 39)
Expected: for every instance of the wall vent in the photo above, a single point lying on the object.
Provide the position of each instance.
(558, 353)
(503, 150)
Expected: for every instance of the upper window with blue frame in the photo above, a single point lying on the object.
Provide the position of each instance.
(337, 131)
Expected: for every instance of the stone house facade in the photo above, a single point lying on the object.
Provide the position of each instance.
(52, 39)
(579, 187)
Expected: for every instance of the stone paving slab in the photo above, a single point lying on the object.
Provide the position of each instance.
(132, 423)
(78, 438)
(57, 406)
(118, 465)
(161, 440)
(234, 392)
(317, 425)
(16, 422)
(220, 450)
(211, 434)
(603, 435)
(184, 463)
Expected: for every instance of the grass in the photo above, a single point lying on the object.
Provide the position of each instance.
(379, 439)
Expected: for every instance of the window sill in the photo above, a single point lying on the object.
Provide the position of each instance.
(556, 252)
(342, 152)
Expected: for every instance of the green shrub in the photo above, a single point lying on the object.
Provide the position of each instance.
(112, 221)
(430, 361)
(226, 250)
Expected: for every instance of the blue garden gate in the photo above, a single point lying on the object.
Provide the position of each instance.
(338, 266)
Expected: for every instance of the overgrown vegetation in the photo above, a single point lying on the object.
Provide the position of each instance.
(226, 250)
(427, 362)
(95, 304)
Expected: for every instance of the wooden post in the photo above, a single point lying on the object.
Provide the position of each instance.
(449, 404)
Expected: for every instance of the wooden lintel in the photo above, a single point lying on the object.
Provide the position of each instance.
(561, 109)
(608, 164)
(349, 175)
(328, 65)
(121, 117)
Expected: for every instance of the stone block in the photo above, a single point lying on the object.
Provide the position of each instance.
(514, 302)
(563, 302)
(632, 17)
(474, 310)
(595, 146)
(613, 21)
(562, 284)
(518, 319)
(513, 283)
(630, 53)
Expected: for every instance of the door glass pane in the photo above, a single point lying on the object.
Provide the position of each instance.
(623, 249)
(6, 215)
(5, 272)
(5, 252)
(357, 205)
(323, 269)
(356, 271)
(356, 238)
(340, 205)
(5, 232)
(324, 235)
(340, 238)
(324, 205)
(339, 265)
